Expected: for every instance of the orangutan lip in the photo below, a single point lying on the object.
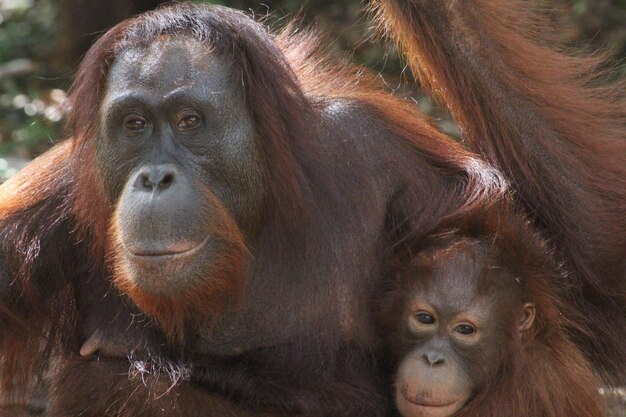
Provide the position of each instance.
(421, 404)
(168, 254)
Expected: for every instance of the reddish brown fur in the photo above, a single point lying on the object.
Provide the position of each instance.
(551, 121)
(543, 373)
(21, 202)
(54, 227)
(155, 394)
(224, 283)
(285, 96)
(282, 97)
(549, 377)
(540, 372)
(22, 191)
(324, 79)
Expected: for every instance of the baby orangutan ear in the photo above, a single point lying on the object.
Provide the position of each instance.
(527, 318)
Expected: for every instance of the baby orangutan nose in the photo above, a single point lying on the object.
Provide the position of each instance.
(433, 358)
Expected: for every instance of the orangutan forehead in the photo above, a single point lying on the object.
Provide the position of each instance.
(462, 270)
(172, 62)
(450, 258)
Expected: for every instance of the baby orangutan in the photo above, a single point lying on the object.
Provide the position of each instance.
(478, 330)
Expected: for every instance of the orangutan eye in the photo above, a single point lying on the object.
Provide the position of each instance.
(425, 318)
(465, 329)
(189, 122)
(135, 123)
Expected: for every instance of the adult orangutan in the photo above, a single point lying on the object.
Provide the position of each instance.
(226, 199)
(221, 203)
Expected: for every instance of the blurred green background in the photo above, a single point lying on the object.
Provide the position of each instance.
(42, 41)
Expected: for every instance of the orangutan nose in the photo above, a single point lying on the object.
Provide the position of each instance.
(155, 178)
(433, 358)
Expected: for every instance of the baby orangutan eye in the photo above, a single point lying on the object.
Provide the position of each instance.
(465, 329)
(424, 318)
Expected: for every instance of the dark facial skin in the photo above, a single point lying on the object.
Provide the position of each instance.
(454, 319)
(179, 161)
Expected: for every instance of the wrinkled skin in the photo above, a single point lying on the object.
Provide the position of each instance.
(176, 137)
(178, 155)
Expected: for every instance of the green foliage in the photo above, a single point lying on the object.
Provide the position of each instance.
(30, 99)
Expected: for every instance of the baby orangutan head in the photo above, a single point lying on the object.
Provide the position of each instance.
(459, 307)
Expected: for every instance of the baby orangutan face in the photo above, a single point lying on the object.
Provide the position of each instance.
(459, 310)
